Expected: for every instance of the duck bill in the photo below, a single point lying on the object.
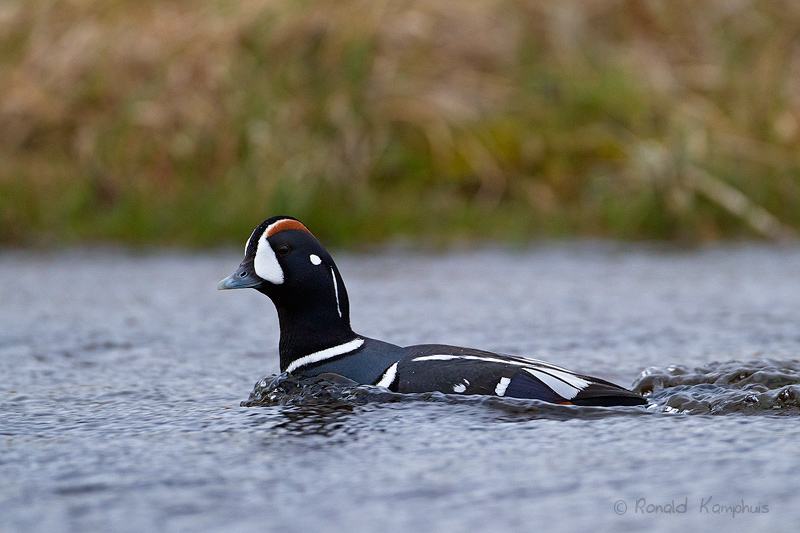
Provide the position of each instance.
(243, 278)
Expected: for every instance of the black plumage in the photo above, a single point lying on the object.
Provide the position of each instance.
(284, 261)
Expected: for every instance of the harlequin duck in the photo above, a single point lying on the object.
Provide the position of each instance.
(287, 263)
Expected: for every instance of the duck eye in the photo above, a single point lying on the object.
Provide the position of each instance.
(282, 249)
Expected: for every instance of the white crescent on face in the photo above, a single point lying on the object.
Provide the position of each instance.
(266, 262)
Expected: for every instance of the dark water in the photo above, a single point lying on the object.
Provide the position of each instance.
(121, 378)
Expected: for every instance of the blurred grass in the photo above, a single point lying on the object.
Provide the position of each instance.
(188, 122)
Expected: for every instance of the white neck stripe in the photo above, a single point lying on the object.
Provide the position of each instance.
(336, 292)
(327, 353)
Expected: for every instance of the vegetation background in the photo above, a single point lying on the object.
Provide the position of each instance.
(189, 121)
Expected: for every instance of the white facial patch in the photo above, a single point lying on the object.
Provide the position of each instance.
(459, 387)
(315, 260)
(266, 262)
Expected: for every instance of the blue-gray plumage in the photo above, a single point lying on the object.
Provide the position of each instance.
(284, 261)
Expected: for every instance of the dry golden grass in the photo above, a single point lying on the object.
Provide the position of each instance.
(189, 122)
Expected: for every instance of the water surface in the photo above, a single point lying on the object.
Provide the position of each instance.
(123, 376)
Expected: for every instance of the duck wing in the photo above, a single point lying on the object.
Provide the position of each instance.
(452, 369)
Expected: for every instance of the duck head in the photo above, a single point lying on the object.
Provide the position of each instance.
(284, 261)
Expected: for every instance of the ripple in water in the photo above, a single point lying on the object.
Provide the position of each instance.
(336, 394)
(759, 386)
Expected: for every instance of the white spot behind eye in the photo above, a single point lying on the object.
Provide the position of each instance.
(459, 387)
(315, 260)
(266, 262)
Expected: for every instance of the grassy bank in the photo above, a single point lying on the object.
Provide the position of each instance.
(190, 121)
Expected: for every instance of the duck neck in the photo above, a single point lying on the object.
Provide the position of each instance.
(313, 316)
(310, 330)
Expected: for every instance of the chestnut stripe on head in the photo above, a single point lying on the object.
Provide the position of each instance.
(266, 262)
(283, 225)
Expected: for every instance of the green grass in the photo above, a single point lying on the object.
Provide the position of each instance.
(187, 123)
